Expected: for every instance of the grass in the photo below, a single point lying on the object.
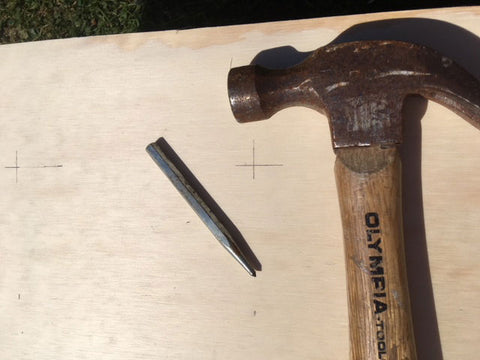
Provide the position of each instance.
(30, 20)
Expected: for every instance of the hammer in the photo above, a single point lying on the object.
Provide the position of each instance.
(360, 87)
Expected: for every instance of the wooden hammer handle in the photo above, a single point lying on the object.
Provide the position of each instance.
(369, 189)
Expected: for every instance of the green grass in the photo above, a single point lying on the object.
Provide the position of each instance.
(30, 20)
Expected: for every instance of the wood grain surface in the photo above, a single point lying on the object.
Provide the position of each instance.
(101, 258)
(369, 188)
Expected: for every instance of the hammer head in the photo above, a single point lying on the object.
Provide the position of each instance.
(359, 86)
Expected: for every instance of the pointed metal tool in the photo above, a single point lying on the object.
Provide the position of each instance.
(190, 194)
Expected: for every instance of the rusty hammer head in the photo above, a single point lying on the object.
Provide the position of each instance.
(359, 86)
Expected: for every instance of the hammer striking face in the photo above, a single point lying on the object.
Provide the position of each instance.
(360, 87)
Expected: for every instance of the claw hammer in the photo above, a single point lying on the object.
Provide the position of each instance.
(360, 86)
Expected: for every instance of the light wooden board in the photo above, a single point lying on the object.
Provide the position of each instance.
(101, 258)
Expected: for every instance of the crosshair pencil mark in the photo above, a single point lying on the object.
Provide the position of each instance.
(16, 167)
(253, 165)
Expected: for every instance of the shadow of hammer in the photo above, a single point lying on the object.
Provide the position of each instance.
(360, 86)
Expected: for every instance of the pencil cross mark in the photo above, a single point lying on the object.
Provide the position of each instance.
(17, 166)
(253, 165)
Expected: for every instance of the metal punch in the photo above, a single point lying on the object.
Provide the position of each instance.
(163, 156)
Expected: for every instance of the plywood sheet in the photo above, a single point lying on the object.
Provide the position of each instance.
(100, 257)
